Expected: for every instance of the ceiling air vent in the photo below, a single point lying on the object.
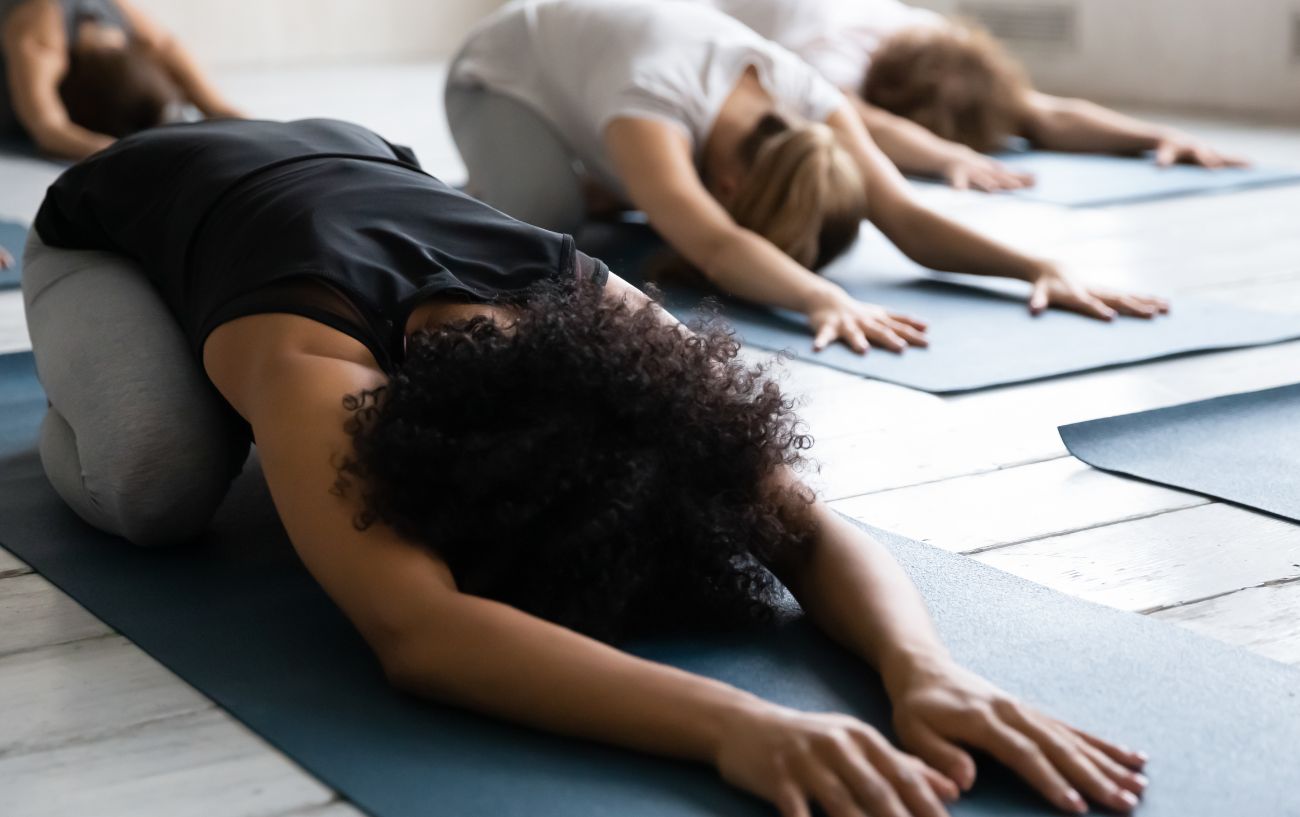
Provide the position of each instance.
(1023, 25)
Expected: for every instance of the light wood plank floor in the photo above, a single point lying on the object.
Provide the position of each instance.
(90, 724)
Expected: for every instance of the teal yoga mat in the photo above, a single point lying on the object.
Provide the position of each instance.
(13, 237)
(1242, 448)
(237, 616)
(981, 334)
(1098, 180)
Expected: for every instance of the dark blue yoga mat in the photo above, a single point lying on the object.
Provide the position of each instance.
(981, 334)
(13, 237)
(1097, 180)
(1243, 448)
(237, 616)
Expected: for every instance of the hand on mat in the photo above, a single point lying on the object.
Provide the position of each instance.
(1054, 288)
(797, 759)
(6, 260)
(944, 707)
(861, 326)
(975, 170)
(1179, 148)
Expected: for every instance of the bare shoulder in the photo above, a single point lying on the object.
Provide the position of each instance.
(36, 25)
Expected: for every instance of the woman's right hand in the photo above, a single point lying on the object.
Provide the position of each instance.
(968, 169)
(795, 759)
(838, 316)
(6, 260)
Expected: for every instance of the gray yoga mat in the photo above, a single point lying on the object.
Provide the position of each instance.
(1096, 180)
(237, 616)
(981, 334)
(1243, 448)
(13, 237)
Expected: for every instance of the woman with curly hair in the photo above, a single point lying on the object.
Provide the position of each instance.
(935, 93)
(495, 456)
(753, 168)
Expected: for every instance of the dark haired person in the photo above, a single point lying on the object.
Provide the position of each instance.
(77, 74)
(935, 92)
(494, 455)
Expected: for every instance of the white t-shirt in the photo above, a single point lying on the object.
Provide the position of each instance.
(837, 37)
(583, 63)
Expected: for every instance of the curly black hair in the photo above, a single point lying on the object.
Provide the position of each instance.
(589, 464)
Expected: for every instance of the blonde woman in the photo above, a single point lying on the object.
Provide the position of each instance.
(751, 165)
(935, 93)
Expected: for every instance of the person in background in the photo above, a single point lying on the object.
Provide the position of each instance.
(754, 168)
(77, 74)
(938, 94)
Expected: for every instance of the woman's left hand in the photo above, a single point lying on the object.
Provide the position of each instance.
(1051, 287)
(1178, 148)
(941, 708)
(6, 260)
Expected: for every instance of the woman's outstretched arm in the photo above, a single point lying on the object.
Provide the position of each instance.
(654, 162)
(914, 149)
(1058, 123)
(937, 242)
(852, 587)
(468, 651)
(184, 70)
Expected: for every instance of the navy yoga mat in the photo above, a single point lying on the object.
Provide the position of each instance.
(13, 237)
(237, 616)
(1243, 448)
(1094, 180)
(981, 335)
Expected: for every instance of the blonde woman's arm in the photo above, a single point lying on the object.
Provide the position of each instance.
(653, 160)
(1058, 123)
(914, 149)
(937, 242)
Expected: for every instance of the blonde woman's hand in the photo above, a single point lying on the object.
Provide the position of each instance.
(838, 316)
(6, 260)
(942, 709)
(795, 760)
(971, 170)
(1179, 148)
(1051, 287)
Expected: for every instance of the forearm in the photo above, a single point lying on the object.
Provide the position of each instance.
(1079, 125)
(912, 148)
(193, 82)
(494, 659)
(856, 592)
(748, 266)
(69, 140)
(939, 243)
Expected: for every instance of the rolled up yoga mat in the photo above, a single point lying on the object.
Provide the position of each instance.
(1242, 448)
(237, 616)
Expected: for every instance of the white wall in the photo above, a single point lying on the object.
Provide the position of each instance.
(1215, 55)
(239, 33)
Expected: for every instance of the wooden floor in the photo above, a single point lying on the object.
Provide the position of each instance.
(91, 725)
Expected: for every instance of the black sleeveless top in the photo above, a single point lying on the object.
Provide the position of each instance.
(221, 215)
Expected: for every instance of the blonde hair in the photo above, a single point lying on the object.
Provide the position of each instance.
(803, 191)
(955, 80)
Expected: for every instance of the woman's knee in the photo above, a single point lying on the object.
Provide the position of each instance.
(152, 492)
